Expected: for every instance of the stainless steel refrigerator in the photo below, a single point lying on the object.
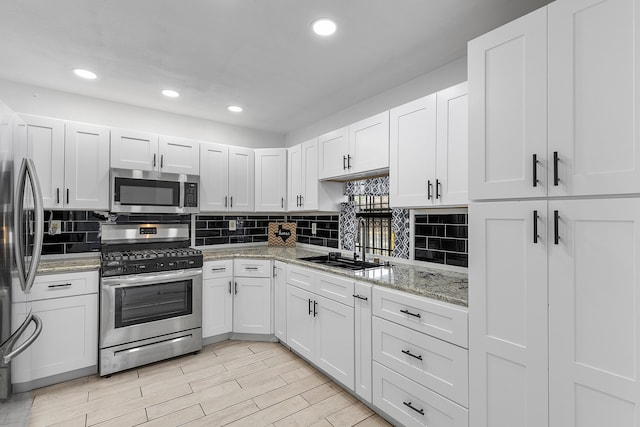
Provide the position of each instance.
(21, 235)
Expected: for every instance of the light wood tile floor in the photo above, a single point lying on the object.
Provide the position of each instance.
(234, 383)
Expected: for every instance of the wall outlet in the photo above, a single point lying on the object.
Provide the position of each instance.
(232, 225)
(313, 228)
(55, 227)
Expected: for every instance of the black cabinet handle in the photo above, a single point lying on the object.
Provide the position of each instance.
(298, 200)
(161, 161)
(219, 269)
(429, 190)
(535, 170)
(309, 306)
(315, 313)
(556, 233)
(420, 411)
(348, 161)
(344, 165)
(225, 201)
(154, 160)
(535, 226)
(61, 285)
(556, 180)
(236, 288)
(411, 314)
(301, 200)
(361, 297)
(231, 201)
(275, 274)
(282, 202)
(229, 287)
(67, 196)
(251, 268)
(437, 189)
(58, 195)
(408, 353)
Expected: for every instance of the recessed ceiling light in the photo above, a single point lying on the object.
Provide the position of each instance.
(324, 27)
(234, 108)
(85, 74)
(170, 93)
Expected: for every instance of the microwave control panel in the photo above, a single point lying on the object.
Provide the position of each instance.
(190, 194)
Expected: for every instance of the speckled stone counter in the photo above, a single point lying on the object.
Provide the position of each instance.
(441, 285)
(69, 264)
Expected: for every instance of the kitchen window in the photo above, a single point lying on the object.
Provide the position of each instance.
(377, 218)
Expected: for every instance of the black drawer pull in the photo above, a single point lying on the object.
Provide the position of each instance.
(219, 269)
(408, 353)
(556, 180)
(556, 232)
(251, 268)
(535, 170)
(61, 285)
(411, 314)
(420, 411)
(360, 297)
(535, 226)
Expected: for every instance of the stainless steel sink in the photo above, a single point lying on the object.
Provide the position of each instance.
(337, 261)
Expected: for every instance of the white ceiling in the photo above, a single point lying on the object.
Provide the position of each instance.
(260, 54)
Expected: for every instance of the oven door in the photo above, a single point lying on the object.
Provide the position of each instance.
(141, 306)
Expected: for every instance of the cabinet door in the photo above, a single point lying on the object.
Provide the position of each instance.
(270, 179)
(86, 167)
(69, 338)
(334, 340)
(412, 166)
(594, 313)
(134, 150)
(369, 144)
(333, 148)
(315, 196)
(280, 300)
(508, 320)
(241, 179)
(214, 177)
(508, 110)
(45, 145)
(362, 338)
(179, 155)
(452, 146)
(300, 321)
(295, 177)
(217, 306)
(252, 305)
(594, 96)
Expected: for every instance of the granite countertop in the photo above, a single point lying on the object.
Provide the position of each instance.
(433, 283)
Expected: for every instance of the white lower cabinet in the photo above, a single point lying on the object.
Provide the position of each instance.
(252, 296)
(217, 298)
(319, 328)
(362, 336)
(67, 304)
(420, 360)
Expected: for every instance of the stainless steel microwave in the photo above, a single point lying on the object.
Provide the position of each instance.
(153, 192)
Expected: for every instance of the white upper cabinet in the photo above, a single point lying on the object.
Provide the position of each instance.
(150, 152)
(178, 155)
(594, 95)
(86, 166)
(304, 191)
(270, 179)
(360, 149)
(428, 150)
(226, 178)
(134, 150)
(508, 99)
(72, 162)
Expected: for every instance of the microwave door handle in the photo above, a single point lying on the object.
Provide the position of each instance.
(28, 168)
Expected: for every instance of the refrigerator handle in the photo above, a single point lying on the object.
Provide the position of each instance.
(7, 352)
(28, 168)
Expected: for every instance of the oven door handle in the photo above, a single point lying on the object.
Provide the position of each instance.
(151, 278)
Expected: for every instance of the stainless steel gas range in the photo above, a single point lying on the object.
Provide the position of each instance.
(150, 295)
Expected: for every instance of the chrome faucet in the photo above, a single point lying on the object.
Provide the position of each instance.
(363, 245)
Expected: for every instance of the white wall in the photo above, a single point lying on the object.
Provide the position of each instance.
(50, 103)
(453, 73)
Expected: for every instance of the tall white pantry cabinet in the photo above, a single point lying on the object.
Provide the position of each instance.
(554, 228)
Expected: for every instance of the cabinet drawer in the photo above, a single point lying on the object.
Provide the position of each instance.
(212, 269)
(337, 288)
(431, 317)
(252, 267)
(301, 277)
(396, 395)
(58, 285)
(431, 362)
